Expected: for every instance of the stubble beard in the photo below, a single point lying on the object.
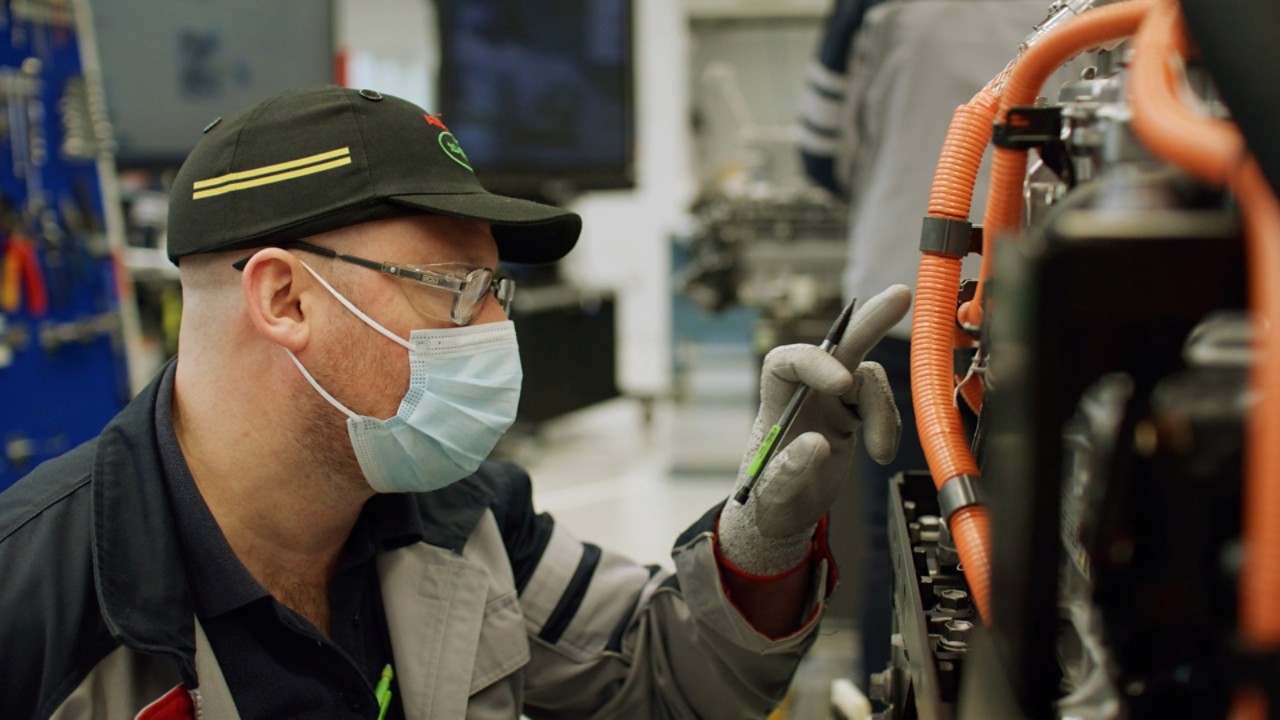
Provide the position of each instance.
(323, 433)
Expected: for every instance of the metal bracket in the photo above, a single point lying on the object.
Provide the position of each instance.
(1027, 127)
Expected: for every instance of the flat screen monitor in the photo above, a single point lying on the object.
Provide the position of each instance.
(540, 93)
(169, 67)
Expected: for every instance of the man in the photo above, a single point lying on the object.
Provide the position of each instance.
(293, 521)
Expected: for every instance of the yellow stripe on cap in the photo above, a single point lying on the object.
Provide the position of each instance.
(268, 169)
(270, 179)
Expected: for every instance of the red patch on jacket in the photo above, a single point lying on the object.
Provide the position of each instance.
(173, 705)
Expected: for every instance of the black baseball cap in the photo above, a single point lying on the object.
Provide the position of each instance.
(312, 160)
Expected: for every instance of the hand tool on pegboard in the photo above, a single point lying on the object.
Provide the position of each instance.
(64, 329)
(23, 279)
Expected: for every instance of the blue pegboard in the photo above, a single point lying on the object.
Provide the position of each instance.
(63, 373)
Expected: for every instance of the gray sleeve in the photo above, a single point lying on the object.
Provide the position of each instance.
(613, 639)
(827, 134)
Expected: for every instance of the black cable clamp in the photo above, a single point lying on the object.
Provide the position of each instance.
(955, 495)
(943, 236)
(1027, 127)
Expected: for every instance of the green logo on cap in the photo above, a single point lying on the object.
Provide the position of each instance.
(450, 145)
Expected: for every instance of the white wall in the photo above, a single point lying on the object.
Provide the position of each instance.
(389, 45)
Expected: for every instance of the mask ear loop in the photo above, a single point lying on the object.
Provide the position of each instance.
(358, 312)
(323, 393)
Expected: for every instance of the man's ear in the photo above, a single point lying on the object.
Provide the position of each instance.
(273, 282)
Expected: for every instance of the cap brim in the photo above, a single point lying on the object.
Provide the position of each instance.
(526, 231)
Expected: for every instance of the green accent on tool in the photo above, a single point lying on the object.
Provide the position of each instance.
(382, 693)
(770, 442)
(757, 462)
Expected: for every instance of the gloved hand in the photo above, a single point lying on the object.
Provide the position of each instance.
(771, 533)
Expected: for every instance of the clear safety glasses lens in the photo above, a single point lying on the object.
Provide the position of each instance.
(471, 295)
(459, 295)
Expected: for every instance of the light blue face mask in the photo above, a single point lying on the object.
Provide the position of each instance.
(464, 387)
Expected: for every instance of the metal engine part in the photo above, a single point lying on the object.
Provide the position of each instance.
(934, 617)
(781, 254)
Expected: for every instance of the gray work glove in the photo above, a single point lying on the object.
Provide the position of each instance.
(771, 533)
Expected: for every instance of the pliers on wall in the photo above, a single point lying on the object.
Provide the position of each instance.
(19, 270)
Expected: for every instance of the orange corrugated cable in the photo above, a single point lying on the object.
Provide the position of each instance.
(1213, 151)
(932, 383)
(1208, 148)
(1008, 169)
(1260, 573)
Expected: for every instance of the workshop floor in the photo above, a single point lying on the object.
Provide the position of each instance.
(630, 477)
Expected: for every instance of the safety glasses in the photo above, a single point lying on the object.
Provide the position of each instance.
(443, 291)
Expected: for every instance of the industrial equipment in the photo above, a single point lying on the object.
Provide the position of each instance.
(1103, 545)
